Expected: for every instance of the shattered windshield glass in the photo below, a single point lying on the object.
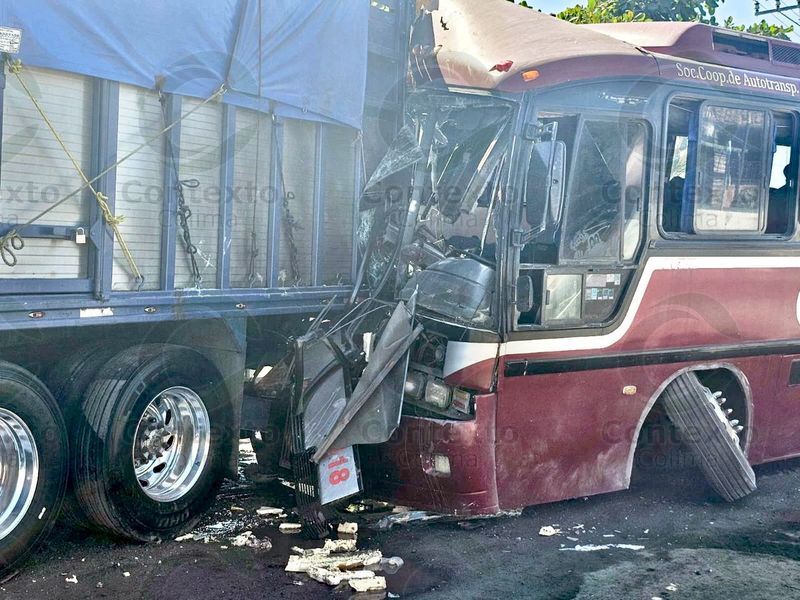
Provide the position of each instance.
(432, 201)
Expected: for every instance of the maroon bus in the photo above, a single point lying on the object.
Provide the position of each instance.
(583, 256)
(600, 238)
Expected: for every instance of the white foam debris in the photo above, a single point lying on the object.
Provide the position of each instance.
(72, 579)
(596, 547)
(373, 584)
(549, 531)
(347, 528)
(289, 527)
(269, 511)
(250, 540)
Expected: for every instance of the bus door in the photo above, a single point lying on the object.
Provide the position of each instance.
(574, 270)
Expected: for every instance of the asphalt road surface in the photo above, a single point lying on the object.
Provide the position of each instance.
(664, 538)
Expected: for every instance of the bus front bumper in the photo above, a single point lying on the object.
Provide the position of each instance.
(438, 465)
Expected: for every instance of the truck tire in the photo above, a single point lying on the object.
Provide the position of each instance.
(72, 376)
(704, 428)
(69, 382)
(153, 441)
(33, 455)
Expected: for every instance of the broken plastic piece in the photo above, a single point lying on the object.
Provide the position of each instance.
(503, 67)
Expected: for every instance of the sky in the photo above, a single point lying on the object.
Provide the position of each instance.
(742, 11)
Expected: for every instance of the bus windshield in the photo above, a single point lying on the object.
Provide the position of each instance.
(442, 237)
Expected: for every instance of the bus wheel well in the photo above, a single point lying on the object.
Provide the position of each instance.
(658, 446)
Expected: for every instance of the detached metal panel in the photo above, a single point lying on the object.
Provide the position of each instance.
(299, 162)
(251, 199)
(140, 187)
(35, 172)
(200, 158)
(338, 198)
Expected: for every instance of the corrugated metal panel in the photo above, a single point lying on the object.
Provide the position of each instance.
(339, 155)
(35, 172)
(251, 198)
(200, 156)
(299, 172)
(140, 186)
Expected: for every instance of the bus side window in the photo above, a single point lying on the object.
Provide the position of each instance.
(716, 165)
(783, 178)
(680, 116)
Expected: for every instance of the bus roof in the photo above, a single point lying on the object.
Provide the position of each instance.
(714, 45)
(497, 45)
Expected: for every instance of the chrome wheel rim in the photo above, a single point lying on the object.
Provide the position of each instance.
(19, 471)
(171, 444)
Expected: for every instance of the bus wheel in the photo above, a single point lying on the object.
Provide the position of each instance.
(701, 423)
(153, 442)
(33, 463)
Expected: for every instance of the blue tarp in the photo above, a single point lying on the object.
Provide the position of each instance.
(303, 57)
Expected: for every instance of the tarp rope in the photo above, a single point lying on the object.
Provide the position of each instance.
(12, 241)
(15, 67)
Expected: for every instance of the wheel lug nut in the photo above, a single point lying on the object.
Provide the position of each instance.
(739, 429)
(729, 411)
(734, 422)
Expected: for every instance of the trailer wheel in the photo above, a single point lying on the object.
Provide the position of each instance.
(33, 463)
(153, 442)
(703, 426)
(69, 383)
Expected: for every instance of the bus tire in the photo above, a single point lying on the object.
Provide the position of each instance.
(33, 452)
(704, 428)
(153, 442)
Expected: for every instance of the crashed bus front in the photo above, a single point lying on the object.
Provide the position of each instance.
(576, 234)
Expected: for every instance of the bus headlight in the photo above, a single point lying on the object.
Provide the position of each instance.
(437, 393)
(415, 385)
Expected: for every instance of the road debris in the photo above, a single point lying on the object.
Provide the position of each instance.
(347, 528)
(373, 584)
(596, 547)
(549, 531)
(340, 561)
(403, 517)
(269, 511)
(248, 539)
(72, 579)
(290, 527)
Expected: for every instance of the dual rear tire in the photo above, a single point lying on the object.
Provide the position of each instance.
(153, 437)
(151, 432)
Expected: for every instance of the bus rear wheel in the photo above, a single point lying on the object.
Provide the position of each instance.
(704, 427)
(153, 442)
(33, 463)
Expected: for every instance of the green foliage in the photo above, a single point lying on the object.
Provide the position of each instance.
(600, 11)
(626, 11)
(762, 28)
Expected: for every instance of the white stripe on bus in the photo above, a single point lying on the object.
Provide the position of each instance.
(461, 355)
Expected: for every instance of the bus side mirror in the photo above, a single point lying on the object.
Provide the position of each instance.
(523, 293)
(545, 188)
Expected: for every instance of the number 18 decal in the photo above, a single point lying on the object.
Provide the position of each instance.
(337, 475)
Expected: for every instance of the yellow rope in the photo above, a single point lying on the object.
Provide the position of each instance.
(102, 200)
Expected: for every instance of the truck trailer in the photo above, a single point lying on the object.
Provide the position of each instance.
(179, 196)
